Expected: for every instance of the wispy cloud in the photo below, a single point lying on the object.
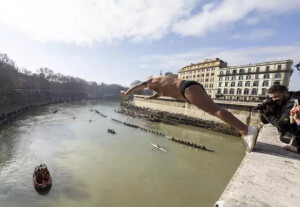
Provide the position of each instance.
(218, 15)
(257, 34)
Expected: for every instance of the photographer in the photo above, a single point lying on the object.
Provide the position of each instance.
(296, 118)
(276, 110)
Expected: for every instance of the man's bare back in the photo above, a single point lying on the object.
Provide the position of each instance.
(166, 86)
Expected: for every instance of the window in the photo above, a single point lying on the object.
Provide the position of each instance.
(220, 84)
(233, 78)
(221, 72)
(232, 84)
(255, 83)
(276, 82)
(211, 85)
(249, 70)
(212, 74)
(246, 91)
(198, 76)
(256, 76)
(206, 80)
(242, 71)
(231, 91)
(220, 79)
(202, 75)
(194, 76)
(254, 91)
(248, 77)
(257, 69)
(234, 72)
(207, 74)
(279, 67)
(240, 77)
(277, 75)
(225, 91)
(219, 91)
(265, 83)
(266, 76)
(227, 78)
(247, 83)
(264, 91)
(239, 91)
(267, 68)
(227, 72)
(226, 84)
(240, 84)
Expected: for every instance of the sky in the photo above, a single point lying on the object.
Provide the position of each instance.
(120, 41)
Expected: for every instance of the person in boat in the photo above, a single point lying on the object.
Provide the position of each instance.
(194, 93)
(39, 177)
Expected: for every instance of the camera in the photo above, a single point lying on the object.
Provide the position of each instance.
(298, 66)
(264, 105)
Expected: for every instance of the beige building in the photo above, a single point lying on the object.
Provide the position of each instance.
(252, 81)
(206, 73)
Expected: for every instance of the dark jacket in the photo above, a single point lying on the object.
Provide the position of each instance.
(279, 116)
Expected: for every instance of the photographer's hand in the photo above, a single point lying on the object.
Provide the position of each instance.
(296, 117)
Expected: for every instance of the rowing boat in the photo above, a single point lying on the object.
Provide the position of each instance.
(158, 147)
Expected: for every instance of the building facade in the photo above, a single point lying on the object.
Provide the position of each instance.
(206, 73)
(252, 81)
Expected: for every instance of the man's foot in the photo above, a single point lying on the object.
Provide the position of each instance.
(250, 138)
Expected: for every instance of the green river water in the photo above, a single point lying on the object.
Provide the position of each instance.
(91, 167)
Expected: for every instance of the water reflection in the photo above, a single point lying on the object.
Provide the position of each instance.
(91, 167)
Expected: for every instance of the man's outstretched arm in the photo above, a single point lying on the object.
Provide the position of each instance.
(134, 88)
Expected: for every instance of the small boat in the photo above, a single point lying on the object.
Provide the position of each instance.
(41, 178)
(158, 147)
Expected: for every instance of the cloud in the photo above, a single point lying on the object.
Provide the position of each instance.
(87, 21)
(218, 15)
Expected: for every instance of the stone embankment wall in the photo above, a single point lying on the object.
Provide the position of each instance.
(14, 101)
(244, 111)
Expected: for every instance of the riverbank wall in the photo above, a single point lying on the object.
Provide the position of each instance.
(244, 111)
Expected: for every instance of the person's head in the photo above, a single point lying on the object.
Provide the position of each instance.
(279, 94)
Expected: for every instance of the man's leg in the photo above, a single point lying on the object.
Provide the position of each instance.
(198, 96)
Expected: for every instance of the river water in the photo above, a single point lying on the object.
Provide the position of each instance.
(91, 167)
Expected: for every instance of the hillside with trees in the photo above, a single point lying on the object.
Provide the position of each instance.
(14, 78)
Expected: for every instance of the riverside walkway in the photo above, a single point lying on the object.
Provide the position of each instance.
(268, 176)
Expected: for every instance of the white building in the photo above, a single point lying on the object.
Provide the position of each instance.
(251, 82)
(206, 73)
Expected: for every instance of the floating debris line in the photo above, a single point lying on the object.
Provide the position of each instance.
(154, 132)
